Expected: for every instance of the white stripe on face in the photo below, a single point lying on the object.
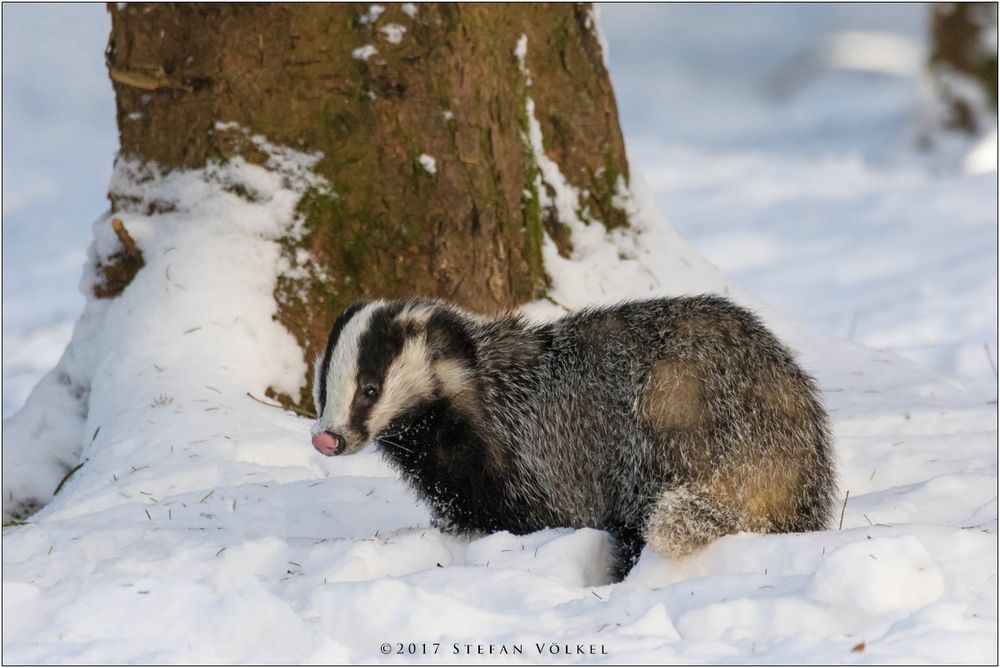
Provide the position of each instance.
(317, 381)
(343, 372)
(407, 381)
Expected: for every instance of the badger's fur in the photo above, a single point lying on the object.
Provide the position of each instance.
(667, 421)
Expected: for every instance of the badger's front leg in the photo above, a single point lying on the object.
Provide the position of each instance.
(445, 524)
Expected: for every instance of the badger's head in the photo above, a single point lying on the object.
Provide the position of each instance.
(385, 362)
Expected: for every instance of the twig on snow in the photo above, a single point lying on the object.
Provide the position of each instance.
(125, 238)
(989, 358)
(852, 326)
(297, 411)
(843, 509)
(68, 474)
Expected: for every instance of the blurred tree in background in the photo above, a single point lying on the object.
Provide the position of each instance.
(963, 63)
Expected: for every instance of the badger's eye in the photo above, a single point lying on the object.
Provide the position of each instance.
(370, 391)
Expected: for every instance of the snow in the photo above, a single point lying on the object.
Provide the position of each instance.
(521, 50)
(428, 163)
(393, 32)
(409, 9)
(59, 142)
(208, 513)
(982, 159)
(371, 16)
(364, 52)
(593, 23)
(872, 52)
(883, 575)
(48, 434)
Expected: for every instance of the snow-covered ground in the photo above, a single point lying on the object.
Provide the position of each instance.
(202, 527)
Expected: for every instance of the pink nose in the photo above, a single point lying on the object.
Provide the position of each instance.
(328, 443)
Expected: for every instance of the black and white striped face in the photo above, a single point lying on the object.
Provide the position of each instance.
(378, 366)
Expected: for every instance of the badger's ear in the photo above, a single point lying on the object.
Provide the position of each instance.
(412, 327)
(448, 337)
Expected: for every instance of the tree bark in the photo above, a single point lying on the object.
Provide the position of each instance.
(377, 94)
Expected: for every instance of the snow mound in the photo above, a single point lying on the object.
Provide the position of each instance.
(212, 258)
(898, 576)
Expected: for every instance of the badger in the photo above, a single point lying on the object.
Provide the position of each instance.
(669, 421)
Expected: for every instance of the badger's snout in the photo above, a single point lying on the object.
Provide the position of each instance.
(328, 443)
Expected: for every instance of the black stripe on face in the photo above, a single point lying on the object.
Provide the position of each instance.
(380, 344)
(331, 344)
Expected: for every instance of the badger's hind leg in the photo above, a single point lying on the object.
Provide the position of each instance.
(686, 518)
(675, 409)
(740, 432)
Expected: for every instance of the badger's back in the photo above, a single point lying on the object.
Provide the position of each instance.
(609, 406)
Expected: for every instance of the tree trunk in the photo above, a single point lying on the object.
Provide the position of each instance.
(421, 114)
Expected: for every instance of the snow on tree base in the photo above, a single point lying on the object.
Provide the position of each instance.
(203, 527)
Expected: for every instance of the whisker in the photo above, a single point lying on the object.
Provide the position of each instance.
(383, 439)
